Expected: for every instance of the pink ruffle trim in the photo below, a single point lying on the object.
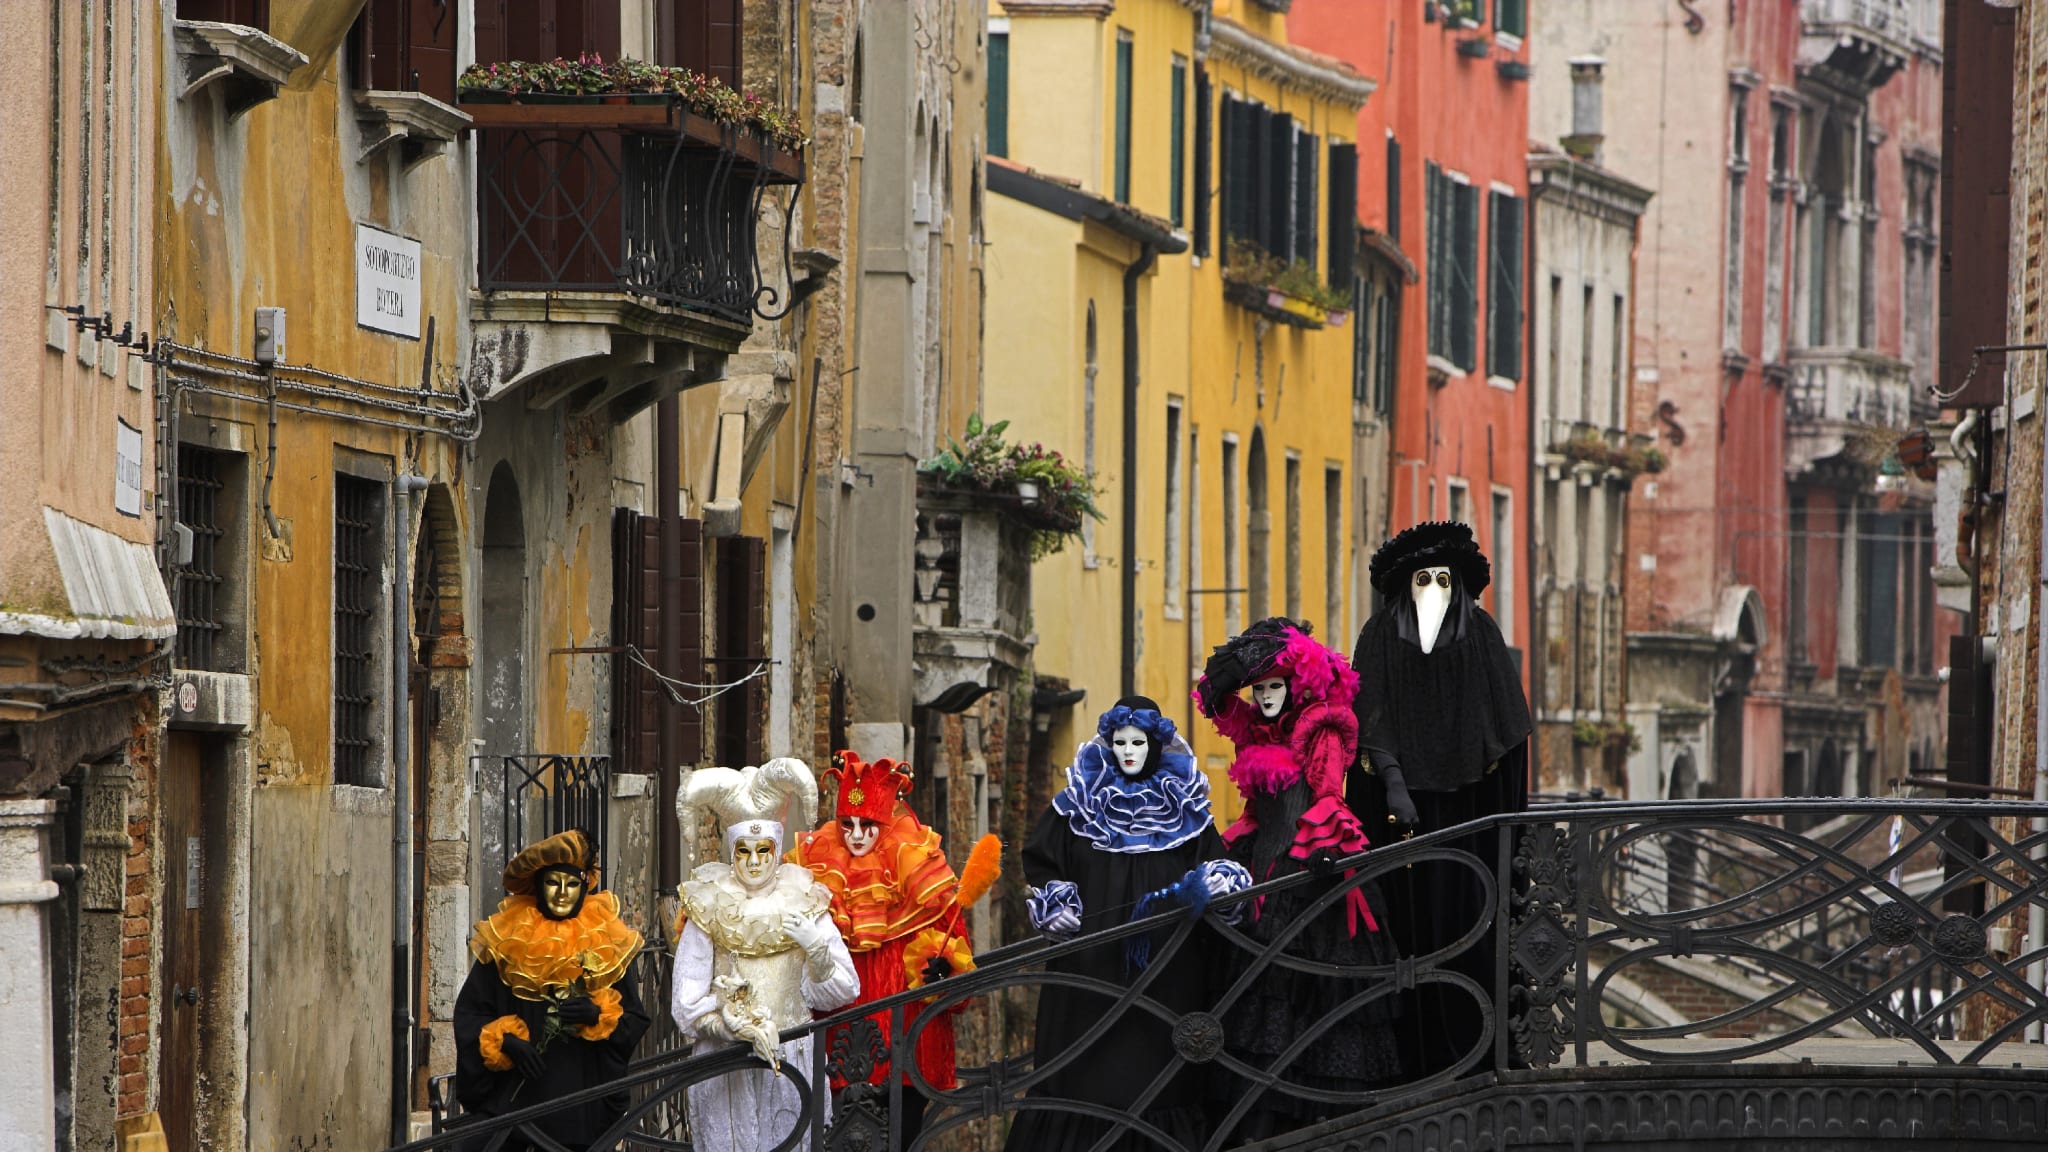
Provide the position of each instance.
(1262, 769)
(1329, 825)
(1243, 827)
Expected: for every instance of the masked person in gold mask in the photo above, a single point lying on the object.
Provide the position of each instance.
(549, 1007)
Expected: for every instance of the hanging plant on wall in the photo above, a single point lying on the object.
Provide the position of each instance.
(1037, 483)
(1280, 290)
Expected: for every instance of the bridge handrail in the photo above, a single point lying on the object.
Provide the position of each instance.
(1517, 903)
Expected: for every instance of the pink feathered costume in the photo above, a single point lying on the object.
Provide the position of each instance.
(1315, 738)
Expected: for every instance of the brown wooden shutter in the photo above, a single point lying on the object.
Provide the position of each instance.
(742, 602)
(690, 664)
(700, 34)
(251, 13)
(1976, 199)
(430, 49)
(491, 46)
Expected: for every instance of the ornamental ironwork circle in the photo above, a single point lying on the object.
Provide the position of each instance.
(1198, 1037)
(1891, 924)
(1958, 937)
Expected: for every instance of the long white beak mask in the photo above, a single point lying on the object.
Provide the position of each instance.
(1431, 591)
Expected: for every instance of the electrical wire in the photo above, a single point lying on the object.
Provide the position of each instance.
(670, 684)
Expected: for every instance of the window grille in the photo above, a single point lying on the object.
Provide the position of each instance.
(358, 516)
(200, 591)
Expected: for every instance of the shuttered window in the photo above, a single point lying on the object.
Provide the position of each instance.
(507, 30)
(1436, 261)
(1176, 144)
(358, 561)
(999, 94)
(249, 13)
(1464, 267)
(1203, 131)
(1306, 163)
(1123, 118)
(1394, 189)
(1504, 287)
(405, 46)
(704, 35)
(742, 603)
(1343, 211)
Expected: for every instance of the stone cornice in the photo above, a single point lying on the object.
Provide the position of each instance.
(1095, 8)
(1318, 75)
(1586, 187)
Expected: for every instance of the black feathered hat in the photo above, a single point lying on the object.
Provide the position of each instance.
(1428, 545)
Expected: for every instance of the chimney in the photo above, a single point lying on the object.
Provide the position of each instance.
(1586, 136)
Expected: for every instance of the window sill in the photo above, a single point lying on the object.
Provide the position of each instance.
(1442, 371)
(1172, 611)
(1502, 383)
(250, 65)
(420, 125)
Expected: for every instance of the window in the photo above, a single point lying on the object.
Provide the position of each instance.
(399, 46)
(249, 13)
(737, 631)
(1123, 117)
(704, 35)
(1233, 563)
(358, 595)
(1917, 337)
(1372, 345)
(1775, 240)
(1797, 613)
(1259, 529)
(1617, 363)
(1269, 181)
(1738, 171)
(1511, 17)
(1293, 536)
(1333, 554)
(1176, 144)
(1302, 229)
(1504, 563)
(1088, 373)
(1195, 541)
(1504, 290)
(1459, 495)
(1385, 328)
(1866, 284)
(1363, 298)
(1393, 188)
(209, 609)
(999, 93)
(1452, 207)
(1203, 133)
(1586, 355)
(1173, 510)
(1554, 358)
(1343, 212)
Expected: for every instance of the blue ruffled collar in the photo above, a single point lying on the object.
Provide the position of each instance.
(1165, 809)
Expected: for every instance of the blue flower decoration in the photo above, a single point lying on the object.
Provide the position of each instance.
(1159, 728)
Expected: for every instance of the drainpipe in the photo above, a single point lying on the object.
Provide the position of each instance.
(402, 1007)
(668, 484)
(1147, 256)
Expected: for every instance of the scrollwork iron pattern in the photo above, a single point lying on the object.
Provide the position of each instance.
(663, 217)
(1798, 934)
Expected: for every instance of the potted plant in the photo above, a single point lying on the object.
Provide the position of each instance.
(1050, 495)
(1287, 291)
(589, 79)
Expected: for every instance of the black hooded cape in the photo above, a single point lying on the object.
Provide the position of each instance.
(1443, 718)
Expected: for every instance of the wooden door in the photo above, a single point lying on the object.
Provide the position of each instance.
(184, 899)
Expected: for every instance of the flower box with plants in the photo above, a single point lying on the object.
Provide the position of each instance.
(1288, 293)
(589, 79)
(1592, 448)
(1035, 484)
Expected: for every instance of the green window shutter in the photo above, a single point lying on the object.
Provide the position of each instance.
(1203, 125)
(1504, 288)
(1465, 276)
(1176, 145)
(1511, 17)
(999, 94)
(1123, 119)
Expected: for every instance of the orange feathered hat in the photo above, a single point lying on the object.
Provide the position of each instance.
(868, 791)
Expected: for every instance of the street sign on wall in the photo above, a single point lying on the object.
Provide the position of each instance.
(387, 282)
(127, 468)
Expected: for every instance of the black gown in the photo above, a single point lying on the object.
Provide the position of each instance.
(573, 1063)
(1351, 1055)
(1125, 1060)
(1456, 722)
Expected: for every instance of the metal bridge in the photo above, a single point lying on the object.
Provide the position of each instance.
(1812, 974)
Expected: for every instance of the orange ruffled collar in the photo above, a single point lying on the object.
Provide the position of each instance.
(538, 958)
(902, 886)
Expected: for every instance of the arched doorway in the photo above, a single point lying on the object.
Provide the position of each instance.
(437, 729)
(1258, 583)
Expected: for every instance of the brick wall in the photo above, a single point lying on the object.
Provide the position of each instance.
(137, 970)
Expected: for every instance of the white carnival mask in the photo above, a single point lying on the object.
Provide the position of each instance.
(1431, 591)
(860, 833)
(753, 862)
(1132, 748)
(1270, 696)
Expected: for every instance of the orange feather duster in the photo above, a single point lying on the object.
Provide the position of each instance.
(984, 865)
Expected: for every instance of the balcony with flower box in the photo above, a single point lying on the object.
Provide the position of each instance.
(618, 204)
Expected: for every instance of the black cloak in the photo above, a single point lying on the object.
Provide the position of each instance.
(573, 1063)
(1444, 717)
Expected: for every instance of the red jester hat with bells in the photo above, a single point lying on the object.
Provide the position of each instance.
(898, 905)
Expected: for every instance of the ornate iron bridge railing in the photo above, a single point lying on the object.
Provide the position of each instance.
(1563, 910)
(663, 211)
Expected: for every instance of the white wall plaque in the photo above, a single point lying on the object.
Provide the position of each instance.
(387, 282)
(127, 468)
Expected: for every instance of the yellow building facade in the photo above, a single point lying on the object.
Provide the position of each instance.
(1161, 225)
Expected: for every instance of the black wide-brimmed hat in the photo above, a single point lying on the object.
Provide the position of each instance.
(1428, 545)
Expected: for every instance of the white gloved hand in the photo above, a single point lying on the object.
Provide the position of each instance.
(810, 933)
(711, 1029)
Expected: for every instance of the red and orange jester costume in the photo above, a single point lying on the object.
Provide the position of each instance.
(895, 898)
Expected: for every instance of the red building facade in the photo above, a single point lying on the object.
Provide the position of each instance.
(1443, 189)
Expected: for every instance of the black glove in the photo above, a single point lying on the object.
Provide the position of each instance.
(577, 1012)
(1400, 807)
(937, 969)
(526, 1059)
